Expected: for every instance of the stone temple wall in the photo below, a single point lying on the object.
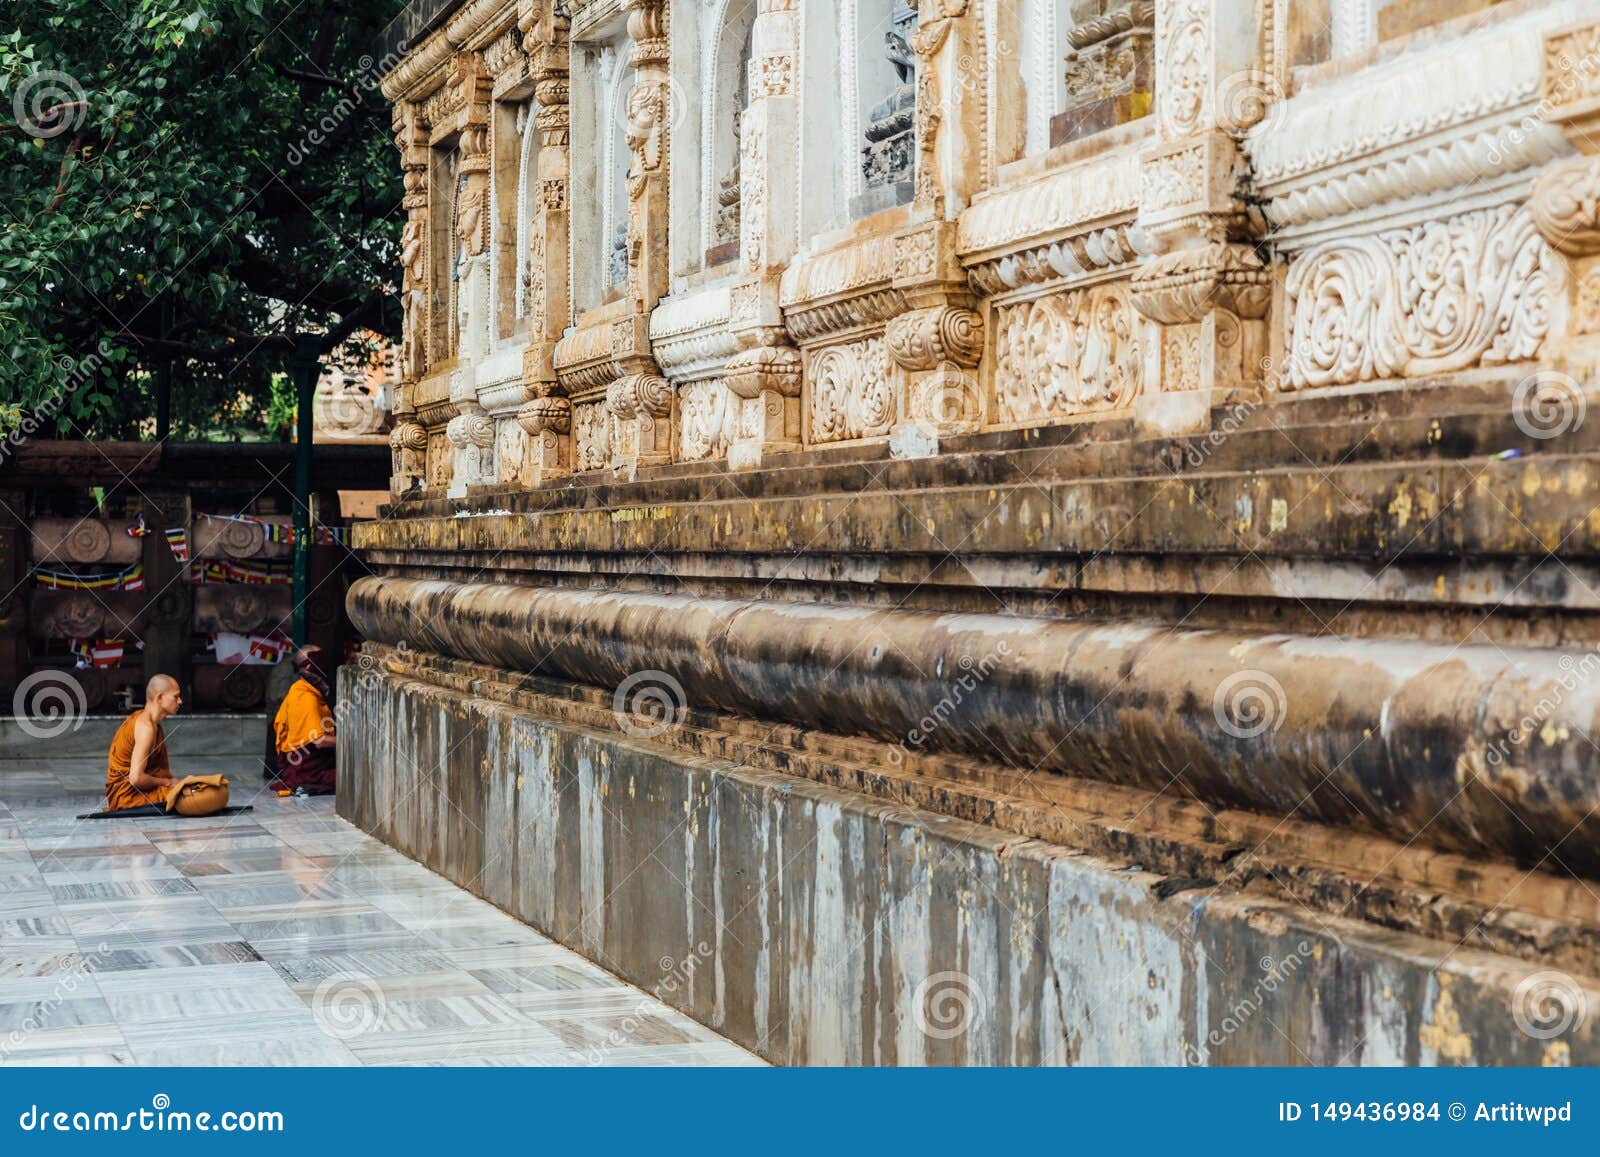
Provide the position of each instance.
(1070, 499)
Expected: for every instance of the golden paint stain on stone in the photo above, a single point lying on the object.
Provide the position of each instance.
(1531, 480)
(1435, 432)
(1557, 1055)
(1578, 480)
(1553, 733)
(1400, 508)
(1279, 517)
(1443, 1034)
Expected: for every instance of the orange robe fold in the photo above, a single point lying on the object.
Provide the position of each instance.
(120, 793)
(301, 721)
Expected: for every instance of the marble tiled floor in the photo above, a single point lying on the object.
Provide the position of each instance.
(281, 937)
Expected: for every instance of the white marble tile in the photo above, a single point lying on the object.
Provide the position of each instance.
(203, 943)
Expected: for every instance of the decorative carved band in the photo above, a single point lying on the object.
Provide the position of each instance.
(1431, 299)
(1067, 354)
(926, 338)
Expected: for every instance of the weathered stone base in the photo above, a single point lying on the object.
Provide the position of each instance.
(817, 926)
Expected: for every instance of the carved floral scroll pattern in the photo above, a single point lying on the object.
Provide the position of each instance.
(708, 419)
(1434, 298)
(591, 436)
(1066, 354)
(850, 392)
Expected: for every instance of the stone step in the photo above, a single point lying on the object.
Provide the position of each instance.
(1461, 423)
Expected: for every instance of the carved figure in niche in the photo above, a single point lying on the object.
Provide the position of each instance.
(727, 227)
(413, 254)
(617, 267)
(1110, 67)
(887, 160)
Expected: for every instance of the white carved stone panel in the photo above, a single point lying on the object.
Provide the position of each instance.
(1068, 353)
(591, 439)
(511, 451)
(850, 392)
(1434, 298)
(708, 418)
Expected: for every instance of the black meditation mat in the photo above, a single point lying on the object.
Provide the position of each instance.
(155, 809)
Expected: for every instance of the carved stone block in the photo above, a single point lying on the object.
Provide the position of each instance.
(1067, 354)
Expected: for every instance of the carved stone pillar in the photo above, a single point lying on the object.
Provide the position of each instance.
(766, 380)
(1565, 199)
(765, 375)
(939, 347)
(473, 218)
(1206, 293)
(548, 421)
(935, 347)
(545, 32)
(641, 405)
(472, 433)
(949, 47)
(408, 441)
(640, 399)
(408, 445)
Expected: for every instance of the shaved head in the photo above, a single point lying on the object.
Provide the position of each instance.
(159, 684)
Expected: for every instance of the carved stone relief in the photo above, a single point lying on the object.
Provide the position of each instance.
(851, 396)
(1067, 354)
(1430, 299)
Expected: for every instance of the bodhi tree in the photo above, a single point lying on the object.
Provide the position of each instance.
(189, 188)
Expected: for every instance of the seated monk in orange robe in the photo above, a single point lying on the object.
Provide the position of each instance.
(304, 735)
(137, 772)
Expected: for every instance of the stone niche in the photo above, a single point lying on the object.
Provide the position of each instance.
(1110, 67)
(887, 157)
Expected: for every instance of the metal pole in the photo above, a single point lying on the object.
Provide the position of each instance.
(306, 368)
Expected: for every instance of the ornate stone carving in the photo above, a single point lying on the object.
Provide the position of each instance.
(472, 434)
(886, 159)
(553, 413)
(1332, 154)
(752, 212)
(1110, 71)
(1430, 299)
(1066, 354)
(591, 427)
(640, 403)
(926, 338)
(708, 420)
(771, 75)
(1565, 204)
(1183, 286)
(851, 396)
(1184, 66)
(408, 448)
(1571, 81)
